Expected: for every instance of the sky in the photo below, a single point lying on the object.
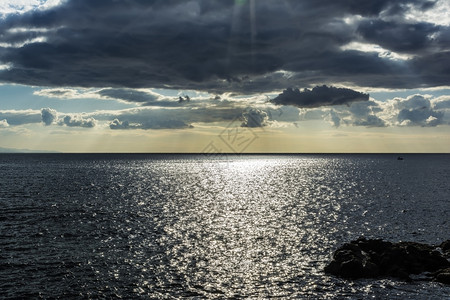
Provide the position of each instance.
(225, 76)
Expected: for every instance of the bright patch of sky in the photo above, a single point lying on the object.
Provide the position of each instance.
(22, 6)
(4, 66)
(18, 45)
(364, 47)
(439, 14)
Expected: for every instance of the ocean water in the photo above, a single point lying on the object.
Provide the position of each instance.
(217, 227)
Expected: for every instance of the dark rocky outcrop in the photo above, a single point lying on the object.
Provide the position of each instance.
(373, 258)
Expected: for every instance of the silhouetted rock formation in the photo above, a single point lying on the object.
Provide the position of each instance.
(377, 258)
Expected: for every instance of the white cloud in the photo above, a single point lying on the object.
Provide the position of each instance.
(22, 6)
(5, 66)
(383, 53)
(4, 123)
(117, 124)
(439, 14)
(441, 103)
(414, 110)
(51, 116)
(77, 121)
(69, 93)
(39, 39)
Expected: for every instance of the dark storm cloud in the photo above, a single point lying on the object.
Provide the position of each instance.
(59, 93)
(216, 46)
(127, 95)
(373, 8)
(434, 69)
(319, 96)
(401, 37)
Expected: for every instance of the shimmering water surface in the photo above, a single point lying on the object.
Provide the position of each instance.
(193, 226)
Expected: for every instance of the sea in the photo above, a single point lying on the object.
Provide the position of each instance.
(197, 226)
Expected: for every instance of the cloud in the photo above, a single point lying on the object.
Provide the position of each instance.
(22, 6)
(49, 116)
(398, 36)
(77, 121)
(370, 121)
(442, 103)
(422, 117)
(137, 118)
(416, 110)
(144, 97)
(415, 102)
(68, 93)
(165, 124)
(165, 118)
(254, 118)
(20, 117)
(319, 96)
(149, 124)
(128, 95)
(117, 124)
(4, 123)
(364, 113)
(283, 113)
(222, 46)
(181, 117)
(334, 118)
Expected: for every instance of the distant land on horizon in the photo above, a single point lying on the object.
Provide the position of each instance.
(14, 150)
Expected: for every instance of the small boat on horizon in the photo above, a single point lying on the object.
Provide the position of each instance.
(399, 158)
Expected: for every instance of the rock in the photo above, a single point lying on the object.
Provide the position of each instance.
(443, 276)
(371, 270)
(445, 246)
(377, 258)
(352, 268)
